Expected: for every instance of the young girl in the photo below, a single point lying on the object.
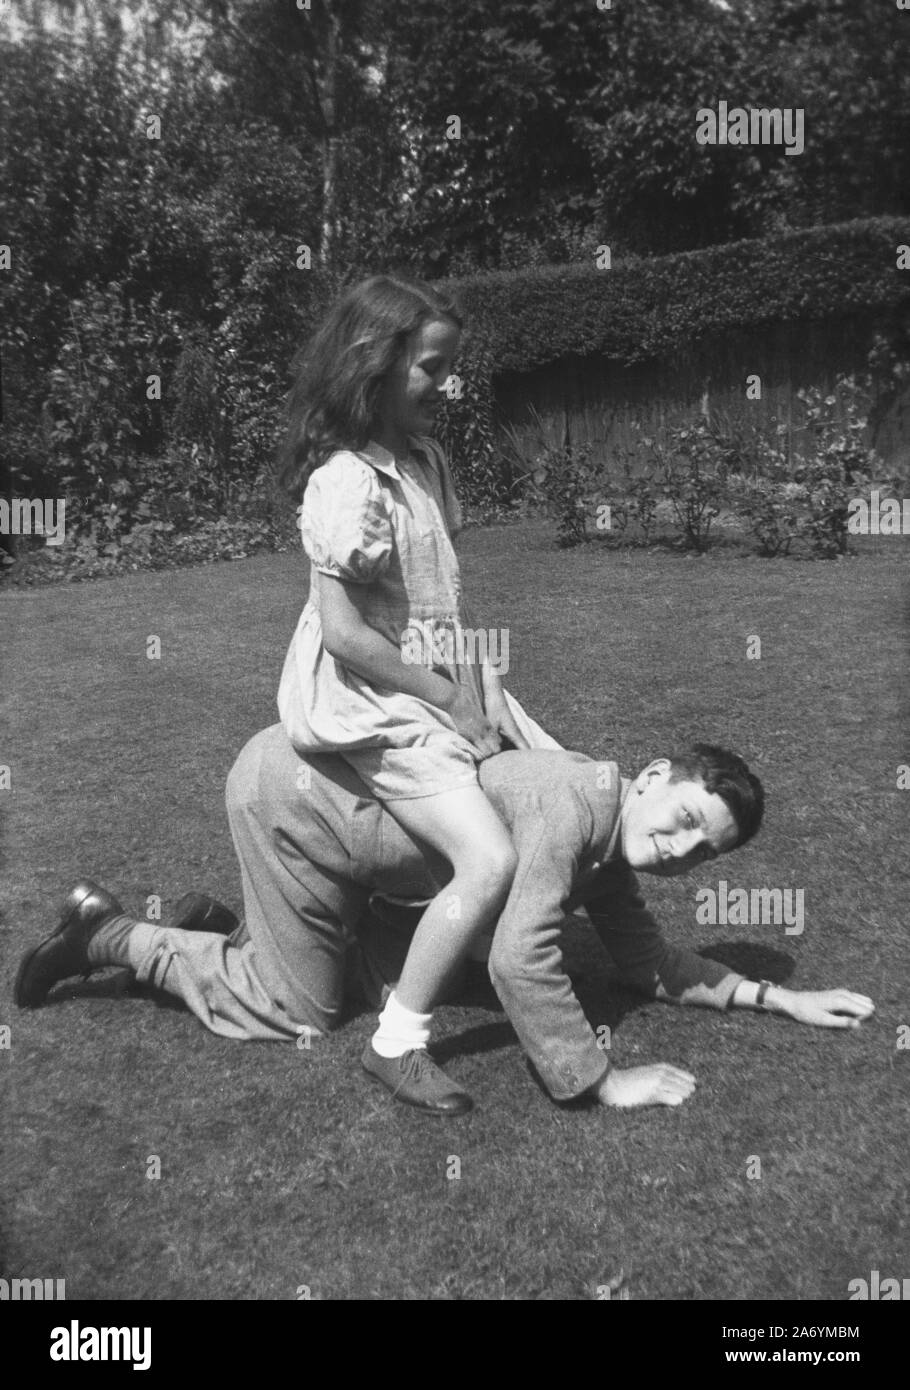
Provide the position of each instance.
(378, 514)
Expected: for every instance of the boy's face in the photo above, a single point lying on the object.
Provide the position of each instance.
(667, 828)
(413, 390)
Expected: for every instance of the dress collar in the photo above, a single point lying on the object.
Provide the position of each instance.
(383, 459)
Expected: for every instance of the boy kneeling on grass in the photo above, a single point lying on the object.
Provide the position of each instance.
(318, 878)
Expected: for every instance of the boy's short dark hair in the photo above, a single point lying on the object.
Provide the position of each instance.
(726, 775)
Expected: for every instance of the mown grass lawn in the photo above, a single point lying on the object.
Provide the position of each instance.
(283, 1167)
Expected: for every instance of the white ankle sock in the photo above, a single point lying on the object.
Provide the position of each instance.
(400, 1029)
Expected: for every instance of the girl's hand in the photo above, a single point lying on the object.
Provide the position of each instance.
(473, 725)
(498, 712)
(827, 1008)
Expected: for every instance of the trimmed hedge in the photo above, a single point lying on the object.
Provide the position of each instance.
(643, 308)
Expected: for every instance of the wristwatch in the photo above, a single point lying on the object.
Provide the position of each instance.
(763, 987)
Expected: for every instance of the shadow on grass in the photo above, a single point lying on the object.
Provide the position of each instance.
(602, 1001)
(754, 961)
(112, 984)
(115, 983)
(484, 1037)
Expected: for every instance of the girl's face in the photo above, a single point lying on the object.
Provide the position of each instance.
(413, 390)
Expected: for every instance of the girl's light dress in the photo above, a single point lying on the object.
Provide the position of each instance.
(386, 524)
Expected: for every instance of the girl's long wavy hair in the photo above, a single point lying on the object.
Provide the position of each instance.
(340, 371)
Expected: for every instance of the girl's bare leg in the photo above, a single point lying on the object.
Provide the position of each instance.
(462, 825)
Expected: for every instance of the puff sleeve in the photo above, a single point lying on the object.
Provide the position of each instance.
(344, 524)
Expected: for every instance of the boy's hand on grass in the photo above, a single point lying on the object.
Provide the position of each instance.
(659, 1084)
(826, 1008)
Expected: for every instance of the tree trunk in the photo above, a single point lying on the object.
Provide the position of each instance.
(328, 95)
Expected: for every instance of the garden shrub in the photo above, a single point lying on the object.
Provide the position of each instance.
(644, 308)
(707, 468)
(691, 464)
(836, 463)
(466, 432)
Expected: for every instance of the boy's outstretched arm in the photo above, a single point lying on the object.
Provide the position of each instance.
(826, 1008)
(680, 976)
(661, 1084)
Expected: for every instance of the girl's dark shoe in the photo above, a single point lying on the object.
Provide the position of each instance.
(65, 952)
(416, 1079)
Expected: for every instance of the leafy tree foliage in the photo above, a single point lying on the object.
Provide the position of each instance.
(328, 126)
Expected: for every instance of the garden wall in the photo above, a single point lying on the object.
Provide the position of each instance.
(654, 339)
(599, 401)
